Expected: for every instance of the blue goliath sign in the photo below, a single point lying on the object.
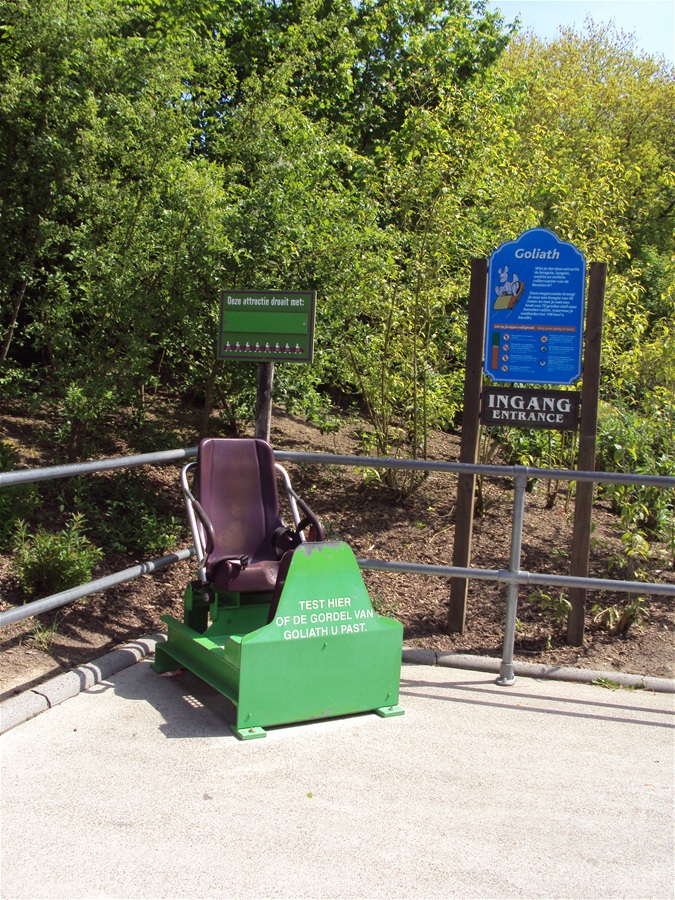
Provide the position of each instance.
(535, 310)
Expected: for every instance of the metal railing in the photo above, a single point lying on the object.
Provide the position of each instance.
(513, 577)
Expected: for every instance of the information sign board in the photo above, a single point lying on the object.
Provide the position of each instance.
(535, 310)
(267, 325)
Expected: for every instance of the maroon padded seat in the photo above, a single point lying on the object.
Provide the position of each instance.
(237, 488)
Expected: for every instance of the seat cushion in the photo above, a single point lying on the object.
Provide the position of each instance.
(257, 577)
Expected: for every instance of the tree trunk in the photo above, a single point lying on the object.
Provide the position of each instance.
(12, 323)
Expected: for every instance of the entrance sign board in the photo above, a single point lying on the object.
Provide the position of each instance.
(535, 310)
(528, 408)
(267, 325)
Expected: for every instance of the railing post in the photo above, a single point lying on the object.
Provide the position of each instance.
(506, 673)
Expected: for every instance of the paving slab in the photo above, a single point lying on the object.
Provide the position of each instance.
(136, 788)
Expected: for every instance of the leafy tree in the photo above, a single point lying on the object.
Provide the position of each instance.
(113, 220)
(156, 151)
(594, 163)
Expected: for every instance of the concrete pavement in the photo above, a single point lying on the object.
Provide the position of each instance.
(135, 788)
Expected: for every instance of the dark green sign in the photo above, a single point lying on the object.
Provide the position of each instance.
(267, 325)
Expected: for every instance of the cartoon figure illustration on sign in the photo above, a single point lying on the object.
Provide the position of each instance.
(509, 291)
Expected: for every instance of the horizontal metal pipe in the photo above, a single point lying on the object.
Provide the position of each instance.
(36, 607)
(72, 470)
(504, 576)
(376, 462)
(598, 584)
(408, 568)
(49, 473)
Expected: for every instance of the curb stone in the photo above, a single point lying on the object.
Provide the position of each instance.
(17, 710)
(417, 656)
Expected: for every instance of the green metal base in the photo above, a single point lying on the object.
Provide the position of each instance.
(387, 712)
(248, 734)
(325, 654)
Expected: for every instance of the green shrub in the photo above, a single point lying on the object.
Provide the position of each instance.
(83, 408)
(129, 514)
(19, 501)
(8, 456)
(643, 444)
(47, 563)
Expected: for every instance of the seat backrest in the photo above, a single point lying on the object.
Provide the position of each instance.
(237, 488)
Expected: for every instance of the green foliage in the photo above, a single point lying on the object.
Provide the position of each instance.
(531, 447)
(384, 606)
(83, 408)
(8, 456)
(155, 152)
(128, 514)
(540, 449)
(47, 563)
(18, 501)
(103, 114)
(619, 620)
(554, 606)
(629, 441)
(607, 683)
(552, 609)
(591, 126)
(43, 635)
(635, 550)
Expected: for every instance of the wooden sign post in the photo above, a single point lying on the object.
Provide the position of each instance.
(468, 453)
(263, 401)
(583, 501)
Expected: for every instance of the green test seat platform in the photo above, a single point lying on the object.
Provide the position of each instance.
(300, 639)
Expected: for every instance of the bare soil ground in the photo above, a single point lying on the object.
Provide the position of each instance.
(357, 508)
